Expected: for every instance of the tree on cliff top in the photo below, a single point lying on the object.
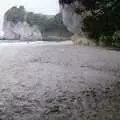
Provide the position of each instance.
(15, 14)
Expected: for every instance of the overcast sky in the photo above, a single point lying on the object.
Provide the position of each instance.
(50, 7)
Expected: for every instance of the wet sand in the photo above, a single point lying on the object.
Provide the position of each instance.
(59, 82)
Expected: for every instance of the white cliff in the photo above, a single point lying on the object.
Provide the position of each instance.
(71, 19)
(21, 30)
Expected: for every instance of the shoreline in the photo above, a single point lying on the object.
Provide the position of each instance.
(15, 42)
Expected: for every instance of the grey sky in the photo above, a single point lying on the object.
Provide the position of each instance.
(50, 7)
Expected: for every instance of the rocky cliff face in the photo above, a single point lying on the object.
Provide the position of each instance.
(71, 19)
(20, 30)
(73, 13)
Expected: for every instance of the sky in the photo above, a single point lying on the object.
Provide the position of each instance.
(50, 7)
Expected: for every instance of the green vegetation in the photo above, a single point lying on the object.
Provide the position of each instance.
(15, 14)
(104, 22)
(44, 22)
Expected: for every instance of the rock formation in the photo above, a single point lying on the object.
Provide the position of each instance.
(23, 25)
(21, 30)
(71, 18)
(73, 13)
(16, 27)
